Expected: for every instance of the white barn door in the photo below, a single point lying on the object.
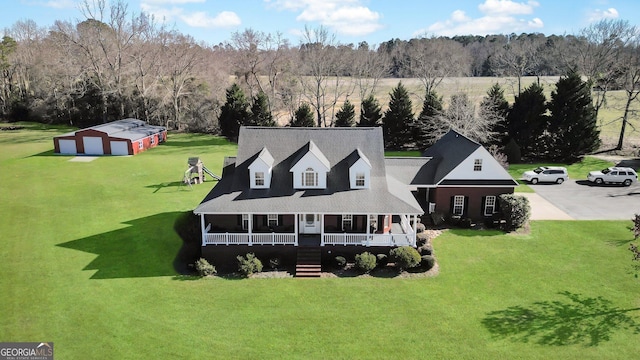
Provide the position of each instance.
(119, 148)
(67, 147)
(93, 145)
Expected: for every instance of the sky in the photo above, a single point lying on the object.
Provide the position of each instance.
(351, 21)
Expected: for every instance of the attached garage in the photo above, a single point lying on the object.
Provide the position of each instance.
(93, 145)
(122, 137)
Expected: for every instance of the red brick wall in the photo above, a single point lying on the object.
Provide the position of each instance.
(442, 197)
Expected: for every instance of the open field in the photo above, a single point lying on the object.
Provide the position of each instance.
(87, 262)
(477, 87)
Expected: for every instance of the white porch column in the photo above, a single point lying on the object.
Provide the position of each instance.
(321, 229)
(415, 227)
(250, 229)
(202, 228)
(295, 227)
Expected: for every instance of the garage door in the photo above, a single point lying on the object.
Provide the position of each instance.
(67, 147)
(93, 145)
(119, 148)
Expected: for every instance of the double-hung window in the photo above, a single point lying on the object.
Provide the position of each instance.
(310, 178)
(477, 165)
(458, 205)
(259, 178)
(347, 221)
(489, 205)
(272, 220)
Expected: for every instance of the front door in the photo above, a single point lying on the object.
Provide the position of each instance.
(309, 223)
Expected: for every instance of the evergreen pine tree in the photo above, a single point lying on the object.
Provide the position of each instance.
(346, 116)
(233, 113)
(495, 106)
(527, 120)
(428, 128)
(572, 129)
(370, 112)
(398, 118)
(260, 114)
(303, 117)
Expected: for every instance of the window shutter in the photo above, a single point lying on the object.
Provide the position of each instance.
(451, 204)
(483, 206)
(280, 217)
(239, 220)
(465, 211)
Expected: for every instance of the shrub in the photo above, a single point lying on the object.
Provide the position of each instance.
(420, 228)
(437, 218)
(421, 239)
(204, 268)
(512, 151)
(249, 264)
(274, 263)
(340, 261)
(382, 260)
(515, 210)
(426, 249)
(366, 261)
(465, 223)
(427, 261)
(405, 257)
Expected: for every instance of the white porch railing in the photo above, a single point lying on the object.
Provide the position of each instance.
(249, 239)
(369, 240)
(344, 239)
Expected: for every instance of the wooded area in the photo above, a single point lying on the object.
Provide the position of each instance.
(116, 64)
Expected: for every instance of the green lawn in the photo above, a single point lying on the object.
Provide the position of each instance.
(87, 262)
(577, 171)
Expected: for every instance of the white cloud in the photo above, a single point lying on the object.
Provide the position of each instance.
(202, 19)
(346, 17)
(500, 16)
(598, 14)
(507, 7)
(173, 2)
(195, 19)
(59, 4)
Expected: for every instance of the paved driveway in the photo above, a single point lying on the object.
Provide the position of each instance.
(582, 200)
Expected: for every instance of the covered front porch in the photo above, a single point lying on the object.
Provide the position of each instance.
(309, 229)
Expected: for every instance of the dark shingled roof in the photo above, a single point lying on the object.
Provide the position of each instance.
(339, 145)
(447, 153)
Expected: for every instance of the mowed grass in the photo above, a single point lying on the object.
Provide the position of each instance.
(87, 262)
(577, 171)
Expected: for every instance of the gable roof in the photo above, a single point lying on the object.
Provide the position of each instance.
(311, 148)
(440, 160)
(287, 145)
(265, 156)
(447, 153)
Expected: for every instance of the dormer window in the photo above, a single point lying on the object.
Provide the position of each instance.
(359, 170)
(310, 168)
(310, 178)
(259, 181)
(260, 170)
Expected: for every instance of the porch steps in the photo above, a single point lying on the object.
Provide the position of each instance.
(309, 262)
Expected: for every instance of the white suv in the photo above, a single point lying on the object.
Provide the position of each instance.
(620, 175)
(554, 174)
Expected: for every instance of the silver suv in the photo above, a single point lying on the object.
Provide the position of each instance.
(619, 175)
(556, 174)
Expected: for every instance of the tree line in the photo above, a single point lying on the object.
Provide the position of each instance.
(562, 128)
(115, 64)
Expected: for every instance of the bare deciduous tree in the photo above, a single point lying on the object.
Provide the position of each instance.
(433, 59)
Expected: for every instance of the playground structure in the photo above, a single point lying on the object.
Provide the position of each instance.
(195, 173)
